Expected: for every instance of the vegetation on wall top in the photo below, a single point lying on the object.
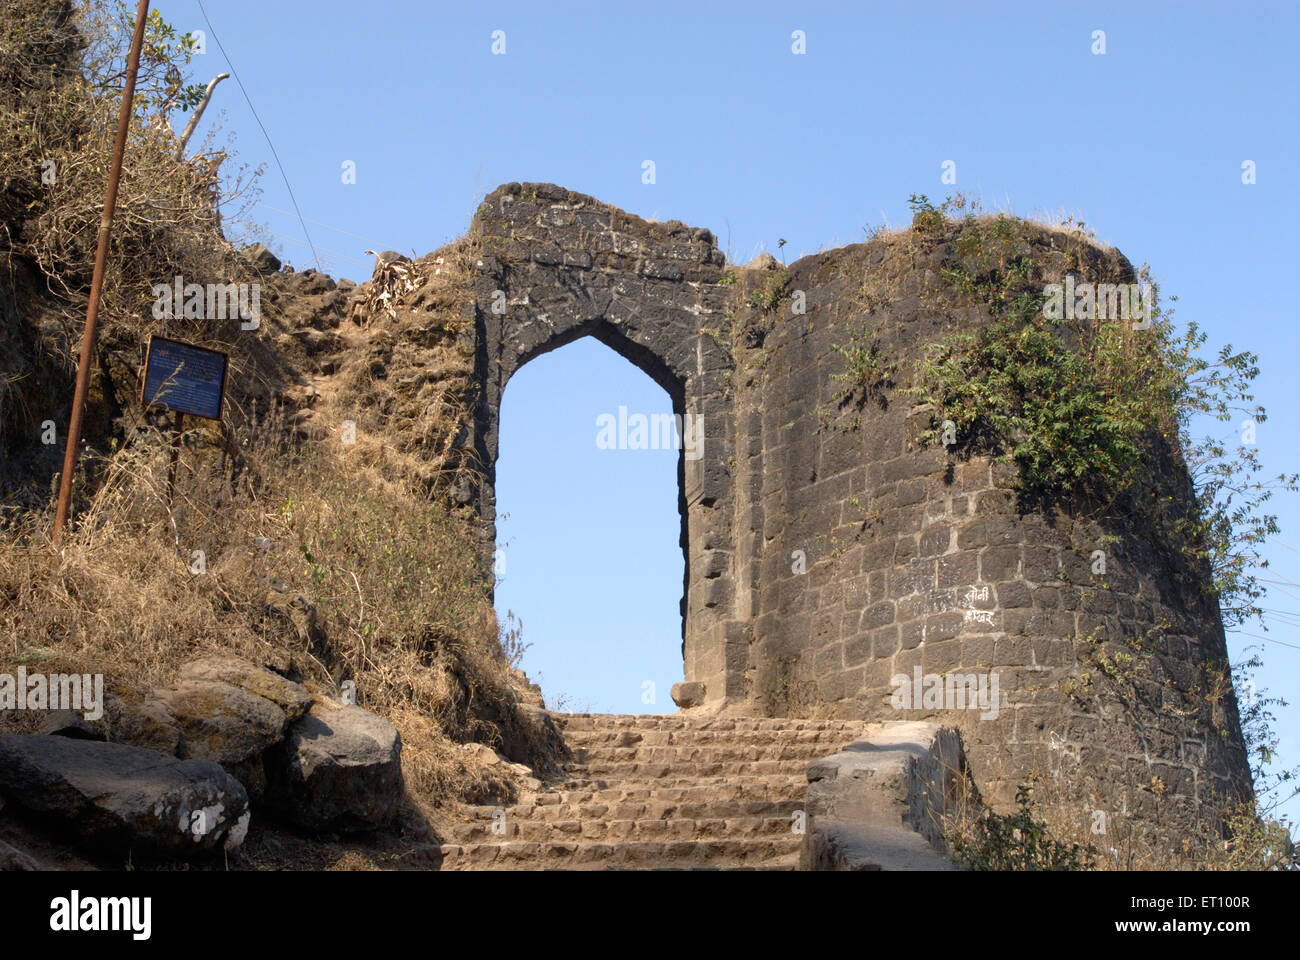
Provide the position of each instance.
(1084, 406)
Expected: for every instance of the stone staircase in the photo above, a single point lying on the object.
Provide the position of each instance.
(657, 792)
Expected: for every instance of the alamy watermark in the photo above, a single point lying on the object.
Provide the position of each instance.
(1133, 302)
(213, 301)
(75, 913)
(954, 691)
(83, 692)
(658, 431)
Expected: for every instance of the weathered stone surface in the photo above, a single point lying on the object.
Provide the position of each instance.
(14, 860)
(654, 791)
(880, 803)
(71, 723)
(122, 796)
(290, 697)
(688, 694)
(262, 258)
(227, 725)
(145, 723)
(803, 487)
(338, 770)
(481, 753)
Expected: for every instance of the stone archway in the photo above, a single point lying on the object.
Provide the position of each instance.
(908, 560)
(559, 266)
(599, 509)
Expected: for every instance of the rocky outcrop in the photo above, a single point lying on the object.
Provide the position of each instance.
(338, 770)
(14, 860)
(318, 764)
(176, 772)
(227, 725)
(109, 794)
(289, 696)
(237, 713)
(231, 712)
(144, 723)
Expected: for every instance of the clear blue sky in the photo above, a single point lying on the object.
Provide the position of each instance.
(1145, 142)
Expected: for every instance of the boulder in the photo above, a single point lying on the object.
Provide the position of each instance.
(313, 283)
(145, 724)
(116, 795)
(13, 859)
(259, 256)
(524, 774)
(482, 753)
(290, 697)
(338, 770)
(227, 725)
(687, 693)
(71, 723)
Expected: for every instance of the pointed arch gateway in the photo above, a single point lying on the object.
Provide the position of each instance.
(897, 533)
(559, 266)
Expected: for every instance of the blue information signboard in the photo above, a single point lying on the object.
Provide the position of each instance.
(185, 378)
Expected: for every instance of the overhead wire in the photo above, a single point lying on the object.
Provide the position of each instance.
(274, 153)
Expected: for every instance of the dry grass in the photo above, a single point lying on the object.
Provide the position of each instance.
(407, 379)
(1060, 820)
(280, 543)
(308, 553)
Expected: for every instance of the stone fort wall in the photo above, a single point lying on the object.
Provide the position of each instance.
(828, 551)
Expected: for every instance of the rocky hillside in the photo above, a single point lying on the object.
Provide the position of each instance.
(307, 570)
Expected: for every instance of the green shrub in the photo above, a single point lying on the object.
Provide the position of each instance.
(867, 373)
(1089, 411)
(769, 293)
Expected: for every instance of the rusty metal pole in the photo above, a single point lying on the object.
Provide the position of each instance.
(97, 279)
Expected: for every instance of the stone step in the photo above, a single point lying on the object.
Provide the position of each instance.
(619, 830)
(680, 790)
(659, 721)
(646, 809)
(683, 769)
(786, 864)
(780, 851)
(693, 756)
(833, 740)
(655, 792)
